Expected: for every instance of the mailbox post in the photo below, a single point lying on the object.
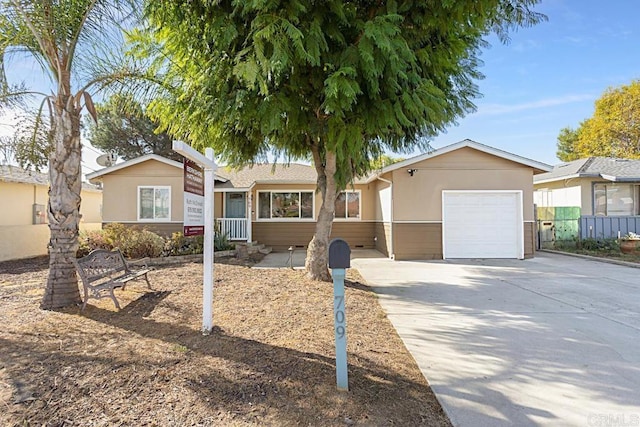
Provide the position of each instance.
(339, 260)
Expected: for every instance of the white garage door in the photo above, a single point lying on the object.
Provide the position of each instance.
(482, 224)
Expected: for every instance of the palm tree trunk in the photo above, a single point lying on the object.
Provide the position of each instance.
(65, 175)
(318, 252)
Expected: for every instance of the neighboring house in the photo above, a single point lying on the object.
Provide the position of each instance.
(23, 222)
(462, 201)
(603, 193)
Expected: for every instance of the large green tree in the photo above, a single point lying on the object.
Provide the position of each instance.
(125, 129)
(612, 131)
(63, 36)
(338, 81)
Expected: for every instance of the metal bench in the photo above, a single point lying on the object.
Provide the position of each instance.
(103, 271)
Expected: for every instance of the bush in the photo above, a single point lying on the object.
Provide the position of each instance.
(90, 240)
(179, 244)
(591, 244)
(117, 233)
(140, 244)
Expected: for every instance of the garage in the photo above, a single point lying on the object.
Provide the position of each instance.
(482, 224)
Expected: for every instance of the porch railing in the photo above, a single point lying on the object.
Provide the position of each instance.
(234, 228)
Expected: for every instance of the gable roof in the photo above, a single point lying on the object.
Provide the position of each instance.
(607, 168)
(18, 175)
(538, 167)
(133, 162)
(278, 173)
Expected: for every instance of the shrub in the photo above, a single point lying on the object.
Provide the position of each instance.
(90, 240)
(591, 244)
(117, 233)
(179, 244)
(140, 244)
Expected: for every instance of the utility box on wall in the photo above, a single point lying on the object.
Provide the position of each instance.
(39, 214)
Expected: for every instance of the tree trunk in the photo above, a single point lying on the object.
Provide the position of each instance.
(65, 176)
(318, 252)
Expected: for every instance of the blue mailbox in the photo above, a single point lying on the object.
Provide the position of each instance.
(339, 254)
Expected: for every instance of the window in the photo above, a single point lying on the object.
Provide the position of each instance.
(348, 205)
(285, 205)
(616, 199)
(154, 203)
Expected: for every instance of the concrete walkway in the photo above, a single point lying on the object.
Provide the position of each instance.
(551, 341)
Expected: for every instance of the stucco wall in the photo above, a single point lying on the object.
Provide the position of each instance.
(419, 197)
(19, 237)
(120, 189)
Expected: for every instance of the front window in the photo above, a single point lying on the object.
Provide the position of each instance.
(285, 205)
(616, 199)
(348, 205)
(154, 203)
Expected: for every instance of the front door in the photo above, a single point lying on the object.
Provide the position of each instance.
(235, 205)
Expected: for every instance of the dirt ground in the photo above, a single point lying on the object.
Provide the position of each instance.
(269, 361)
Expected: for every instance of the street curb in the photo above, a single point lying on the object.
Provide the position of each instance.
(593, 258)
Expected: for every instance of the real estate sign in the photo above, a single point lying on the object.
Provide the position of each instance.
(193, 198)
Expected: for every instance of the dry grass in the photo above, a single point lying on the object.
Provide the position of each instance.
(268, 362)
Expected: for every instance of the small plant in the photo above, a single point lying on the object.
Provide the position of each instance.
(221, 242)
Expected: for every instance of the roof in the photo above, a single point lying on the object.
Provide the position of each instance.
(132, 162)
(278, 173)
(538, 167)
(607, 168)
(18, 175)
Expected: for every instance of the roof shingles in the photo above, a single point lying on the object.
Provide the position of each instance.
(593, 167)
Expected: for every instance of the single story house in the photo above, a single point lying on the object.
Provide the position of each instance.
(602, 193)
(466, 200)
(24, 231)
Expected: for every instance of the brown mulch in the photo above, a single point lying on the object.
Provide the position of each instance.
(269, 361)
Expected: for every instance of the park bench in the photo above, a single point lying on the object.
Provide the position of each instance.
(103, 271)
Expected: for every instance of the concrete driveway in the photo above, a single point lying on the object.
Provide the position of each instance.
(554, 340)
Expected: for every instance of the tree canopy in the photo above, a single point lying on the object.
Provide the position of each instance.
(339, 81)
(123, 128)
(612, 131)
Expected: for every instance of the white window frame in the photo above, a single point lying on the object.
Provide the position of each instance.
(139, 207)
(635, 191)
(313, 206)
(359, 218)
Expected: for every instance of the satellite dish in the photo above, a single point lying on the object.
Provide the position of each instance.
(107, 160)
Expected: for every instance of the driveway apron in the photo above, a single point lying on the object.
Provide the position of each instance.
(552, 341)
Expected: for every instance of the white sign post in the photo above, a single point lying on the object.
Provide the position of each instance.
(209, 166)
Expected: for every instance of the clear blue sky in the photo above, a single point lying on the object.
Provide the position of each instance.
(549, 76)
(546, 78)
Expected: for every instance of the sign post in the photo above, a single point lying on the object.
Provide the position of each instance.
(339, 260)
(209, 166)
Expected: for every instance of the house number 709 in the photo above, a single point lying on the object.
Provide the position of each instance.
(340, 328)
(338, 302)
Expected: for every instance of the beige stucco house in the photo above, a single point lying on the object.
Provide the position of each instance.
(23, 223)
(465, 200)
(604, 192)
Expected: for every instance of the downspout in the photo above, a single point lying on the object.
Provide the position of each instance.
(392, 255)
